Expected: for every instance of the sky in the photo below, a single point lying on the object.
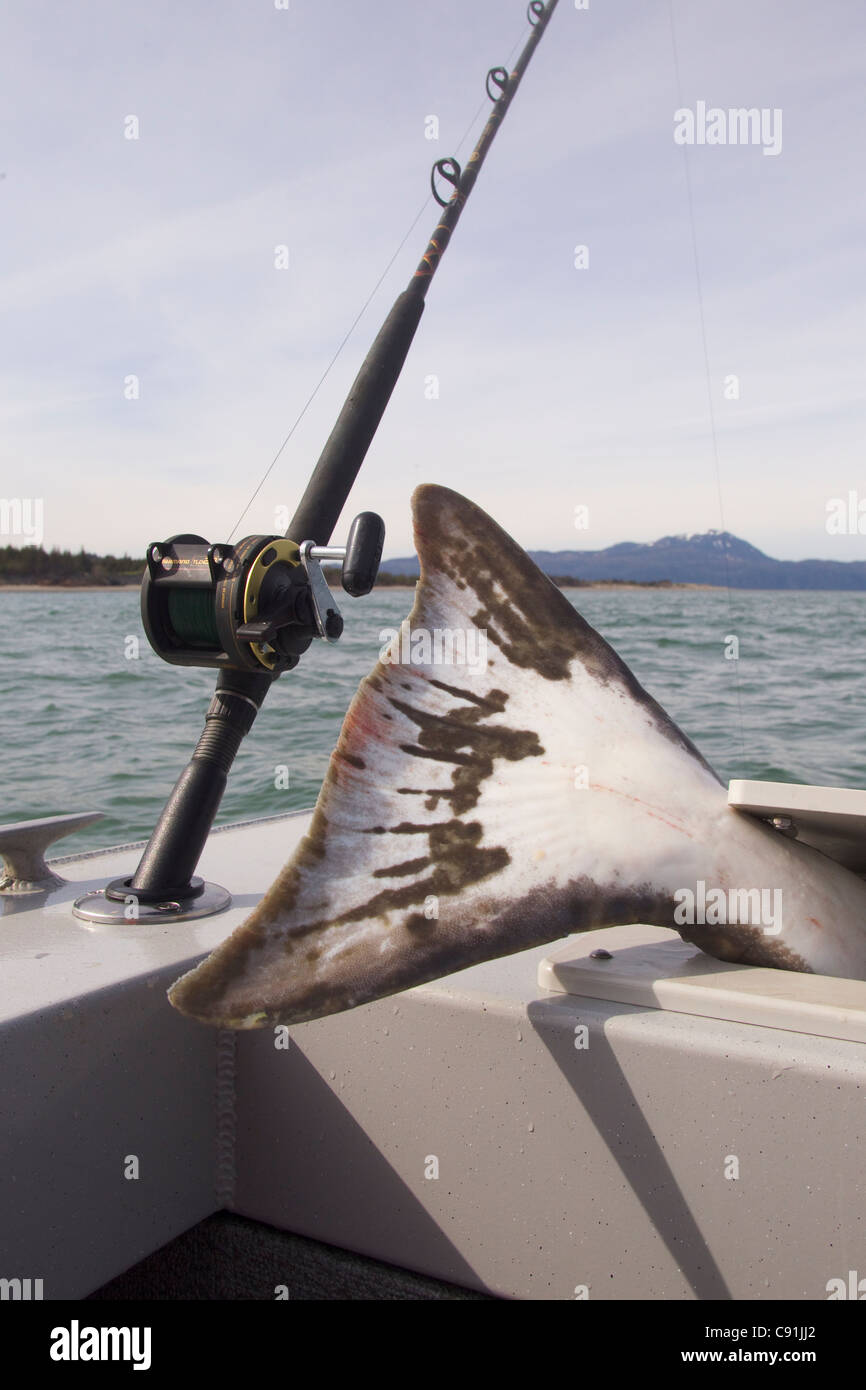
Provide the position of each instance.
(704, 369)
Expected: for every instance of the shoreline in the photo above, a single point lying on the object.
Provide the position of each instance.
(69, 588)
(594, 584)
(379, 588)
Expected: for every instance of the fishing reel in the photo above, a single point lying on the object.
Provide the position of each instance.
(254, 606)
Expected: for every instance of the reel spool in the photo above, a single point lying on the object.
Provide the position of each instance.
(255, 606)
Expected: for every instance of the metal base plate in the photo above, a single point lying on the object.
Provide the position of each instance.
(98, 910)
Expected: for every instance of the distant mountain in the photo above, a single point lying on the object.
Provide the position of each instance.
(716, 557)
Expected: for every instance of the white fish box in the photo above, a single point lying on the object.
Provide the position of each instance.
(831, 819)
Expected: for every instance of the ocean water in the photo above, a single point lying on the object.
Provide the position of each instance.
(86, 726)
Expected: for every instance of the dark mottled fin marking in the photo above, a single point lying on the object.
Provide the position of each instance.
(493, 703)
(408, 866)
(353, 760)
(744, 946)
(462, 738)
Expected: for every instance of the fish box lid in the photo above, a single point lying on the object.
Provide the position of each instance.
(831, 819)
(654, 968)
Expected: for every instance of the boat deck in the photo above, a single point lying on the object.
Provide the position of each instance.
(230, 1257)
(520, 1130)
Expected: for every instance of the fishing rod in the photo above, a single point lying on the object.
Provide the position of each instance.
(252, 609)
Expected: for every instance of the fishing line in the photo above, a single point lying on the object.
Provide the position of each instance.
(707, 373)
(362, 311)
(327, 370)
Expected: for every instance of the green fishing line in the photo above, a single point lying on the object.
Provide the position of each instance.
(191, 612)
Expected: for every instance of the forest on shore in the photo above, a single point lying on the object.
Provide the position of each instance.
(32, 564)
(70, 569)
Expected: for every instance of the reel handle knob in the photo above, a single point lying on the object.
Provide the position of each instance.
(363, 553)
(360, 555)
